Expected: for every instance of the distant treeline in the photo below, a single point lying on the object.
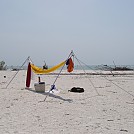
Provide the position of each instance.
(2, 65)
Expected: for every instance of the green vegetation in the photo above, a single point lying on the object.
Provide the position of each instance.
(2, 65)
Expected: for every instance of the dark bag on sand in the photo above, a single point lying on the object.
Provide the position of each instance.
(77, 90)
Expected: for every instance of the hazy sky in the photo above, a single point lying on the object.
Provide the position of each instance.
(98, 31)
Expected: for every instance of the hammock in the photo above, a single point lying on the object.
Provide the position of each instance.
(38, 70)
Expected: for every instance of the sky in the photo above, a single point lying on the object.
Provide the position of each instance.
(98, 31)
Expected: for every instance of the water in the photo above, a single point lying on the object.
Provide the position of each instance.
(77, 67)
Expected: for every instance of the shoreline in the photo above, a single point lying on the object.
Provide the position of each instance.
(81, 72)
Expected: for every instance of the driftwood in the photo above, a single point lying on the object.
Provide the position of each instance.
(108, 68)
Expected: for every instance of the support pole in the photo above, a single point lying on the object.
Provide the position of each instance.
(112, 82)
(17, 72)
(87, 77)
(71, 54)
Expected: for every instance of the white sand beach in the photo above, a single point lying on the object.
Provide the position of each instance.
(22, 111)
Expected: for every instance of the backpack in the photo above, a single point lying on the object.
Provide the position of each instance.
(77, 89)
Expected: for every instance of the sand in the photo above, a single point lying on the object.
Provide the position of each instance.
(103, 108)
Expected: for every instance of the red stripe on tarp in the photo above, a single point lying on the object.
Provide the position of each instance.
(28, 78)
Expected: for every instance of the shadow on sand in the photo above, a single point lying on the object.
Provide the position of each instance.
(50, 95)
